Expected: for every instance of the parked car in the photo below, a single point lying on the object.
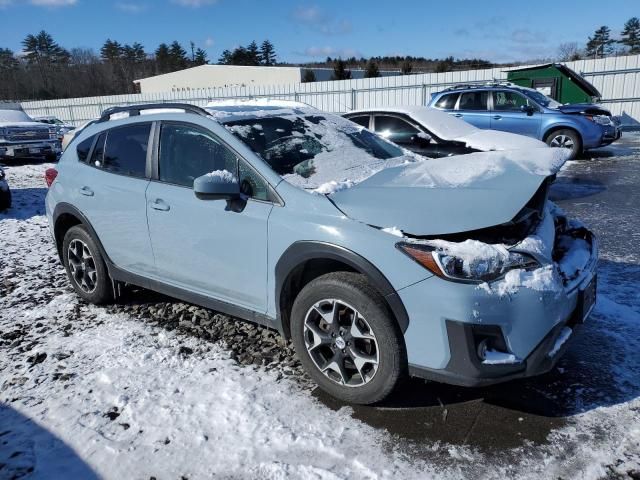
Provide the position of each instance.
(5, 192)
(21, 137)
(511, 108)
(62, 128)
(435, 134)
(374, 261)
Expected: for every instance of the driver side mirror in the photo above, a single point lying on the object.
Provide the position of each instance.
(217, 185)
(528, 109)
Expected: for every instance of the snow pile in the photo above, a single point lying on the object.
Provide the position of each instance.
(332, 187)
(565, 333)
(395, 231)
(221, 176)
(475, 256)
(544, 279)
(494, 357)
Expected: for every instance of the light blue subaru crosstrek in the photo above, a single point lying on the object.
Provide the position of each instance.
(376, 262)
(525, 111)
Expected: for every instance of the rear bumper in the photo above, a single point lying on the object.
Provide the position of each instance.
(31, 149)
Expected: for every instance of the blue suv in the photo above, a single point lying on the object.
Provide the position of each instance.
(375, 262)
(511, 108)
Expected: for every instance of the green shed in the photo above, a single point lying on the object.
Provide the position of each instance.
(556, 81)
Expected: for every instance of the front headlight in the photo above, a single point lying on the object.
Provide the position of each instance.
(600, 119)
(53, 133)
(485, 263)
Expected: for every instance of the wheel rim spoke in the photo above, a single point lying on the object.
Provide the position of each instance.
(82, 266)
(341, 343)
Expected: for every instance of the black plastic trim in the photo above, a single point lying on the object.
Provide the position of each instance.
(302, 251)
(62, 208)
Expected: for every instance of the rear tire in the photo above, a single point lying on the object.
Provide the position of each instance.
(85, 266)
(566, 138)
(347, 339)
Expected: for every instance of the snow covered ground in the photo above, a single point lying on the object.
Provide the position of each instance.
(108, 392)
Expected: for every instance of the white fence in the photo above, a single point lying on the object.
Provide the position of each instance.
(617, 78)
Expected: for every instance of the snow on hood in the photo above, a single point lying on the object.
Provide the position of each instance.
(24, 125)
(449, 128)
(452, 194)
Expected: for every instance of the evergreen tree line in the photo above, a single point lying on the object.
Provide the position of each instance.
(44, 69)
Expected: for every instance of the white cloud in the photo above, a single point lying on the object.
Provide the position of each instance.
(313, 17)
(53, 3)
(131, 7)
(194, 3)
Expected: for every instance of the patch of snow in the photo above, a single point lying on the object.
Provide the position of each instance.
(565, 333)
(393, 231)
(332, 187)
(221, 176)
(544, 279)
(494, 357)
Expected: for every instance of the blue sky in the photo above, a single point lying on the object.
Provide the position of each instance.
(303, 31)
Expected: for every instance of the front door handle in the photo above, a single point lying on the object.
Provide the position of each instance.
(497, 117)
(86, 191)
(457, 115)
(159, 204)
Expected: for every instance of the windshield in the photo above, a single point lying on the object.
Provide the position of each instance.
(541, 99)
(313, 149)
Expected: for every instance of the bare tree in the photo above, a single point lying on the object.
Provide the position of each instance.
(568, 52)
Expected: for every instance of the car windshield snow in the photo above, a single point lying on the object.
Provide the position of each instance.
(310, 149)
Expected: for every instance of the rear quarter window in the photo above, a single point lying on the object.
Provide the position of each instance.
(83, 149)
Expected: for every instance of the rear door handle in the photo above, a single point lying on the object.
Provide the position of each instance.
(159, 204)
(457, 115)
(497, 117)
(86, 191)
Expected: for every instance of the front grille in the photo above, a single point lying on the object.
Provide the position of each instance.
(27, 135)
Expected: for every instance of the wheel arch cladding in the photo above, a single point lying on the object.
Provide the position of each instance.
(304, 261)
(66, 216)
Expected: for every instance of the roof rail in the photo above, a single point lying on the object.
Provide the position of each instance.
(135, 110)
(495, 83)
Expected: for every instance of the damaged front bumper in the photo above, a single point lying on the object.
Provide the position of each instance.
(487, 338)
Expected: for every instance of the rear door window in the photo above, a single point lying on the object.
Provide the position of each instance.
(361, 120)
(126, 150)
(474, 100)
(448, 101)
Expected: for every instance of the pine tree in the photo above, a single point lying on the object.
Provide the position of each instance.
(631, 35)
(340, 71)
(601, 43)
(177, 57)
(111, 51)
(308, 76)
(134, 53)
(42, 48)
(200, 57)
(8, 61)
(267, 53)
(372, 70)
(225, 58)
(163, 58)
(253, 54)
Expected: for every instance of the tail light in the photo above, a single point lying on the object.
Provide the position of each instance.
(50, 175)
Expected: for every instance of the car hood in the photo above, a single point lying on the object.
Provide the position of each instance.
(450, 195)
(29, 125)
(588, 108)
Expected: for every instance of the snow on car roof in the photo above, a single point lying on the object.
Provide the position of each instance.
(448, 127)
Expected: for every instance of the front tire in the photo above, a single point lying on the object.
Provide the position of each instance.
(568, 139)
(85, 266)
(347, 339)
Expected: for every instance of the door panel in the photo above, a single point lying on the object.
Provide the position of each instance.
(114, 202)
(202, 245)
(508, 116)
(473, 108)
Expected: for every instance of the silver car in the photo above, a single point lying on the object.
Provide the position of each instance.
(376, 262)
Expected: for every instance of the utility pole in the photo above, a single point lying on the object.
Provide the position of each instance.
(193, 55)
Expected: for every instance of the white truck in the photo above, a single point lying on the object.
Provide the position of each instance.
(22, 137)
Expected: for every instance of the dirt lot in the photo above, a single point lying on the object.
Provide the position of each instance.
(154, 387)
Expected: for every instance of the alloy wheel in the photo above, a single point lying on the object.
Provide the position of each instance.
(341, 343)
(82, 266)
(562, 141)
